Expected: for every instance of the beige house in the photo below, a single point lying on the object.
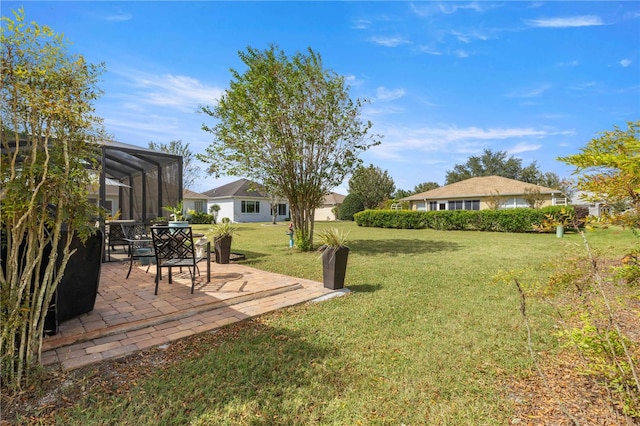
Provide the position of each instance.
(326, 210)
(481, 193)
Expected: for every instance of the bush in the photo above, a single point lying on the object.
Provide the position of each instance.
(200, 218)
(514, 220)
(351, 205)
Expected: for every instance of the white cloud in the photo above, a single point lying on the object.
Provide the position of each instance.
(461, 53)
(529, 93)
(361, 24)
(466, 37)
(625, 62)
(384, 94)
(429, 50)
(573, 21)
(118, 16)
(400, 140)
(390, 41)
(449, 8)
(178, 91)
(523, 147)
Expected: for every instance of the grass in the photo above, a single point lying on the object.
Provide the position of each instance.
(426, 337)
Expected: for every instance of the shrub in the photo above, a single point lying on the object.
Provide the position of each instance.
(200, 218)
(351, 205)
(514, 220)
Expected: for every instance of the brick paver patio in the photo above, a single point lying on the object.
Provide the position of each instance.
(128, 317)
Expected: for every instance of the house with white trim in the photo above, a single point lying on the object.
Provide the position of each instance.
(244, 201)
(481, 193)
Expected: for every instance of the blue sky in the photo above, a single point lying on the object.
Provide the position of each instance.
(445, 79)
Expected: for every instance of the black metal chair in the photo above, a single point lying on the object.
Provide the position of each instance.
(115, 237)
(174, 247)
(140, 244)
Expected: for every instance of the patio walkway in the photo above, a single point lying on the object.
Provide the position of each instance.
(128, 317)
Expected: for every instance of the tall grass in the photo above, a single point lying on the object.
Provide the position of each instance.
(426, 337)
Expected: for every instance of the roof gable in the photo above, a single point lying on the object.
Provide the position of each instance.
(481, 186)
(238, 188)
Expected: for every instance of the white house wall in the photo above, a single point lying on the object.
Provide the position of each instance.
(226, 208)
(324, 213)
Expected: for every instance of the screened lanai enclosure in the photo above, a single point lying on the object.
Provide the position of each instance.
(146, 180)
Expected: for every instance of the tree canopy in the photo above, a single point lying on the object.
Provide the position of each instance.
(48, 127)
(609, 168)
(424, 187)
(372, 185)
(497, 164)
(290, 124)
(190, 169)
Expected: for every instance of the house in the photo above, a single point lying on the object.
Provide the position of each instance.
(243, 201)
(195, 201)
(486, 192)
(327, 211)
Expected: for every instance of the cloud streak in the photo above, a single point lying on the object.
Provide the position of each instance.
(569, 22)
(389, 41)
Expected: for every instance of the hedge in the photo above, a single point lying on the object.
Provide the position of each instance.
(512, 220)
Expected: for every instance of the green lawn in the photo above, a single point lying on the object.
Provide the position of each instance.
(426, 337)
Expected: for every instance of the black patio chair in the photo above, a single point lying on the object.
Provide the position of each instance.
(115, 237)
(174, 247)
(140, 244)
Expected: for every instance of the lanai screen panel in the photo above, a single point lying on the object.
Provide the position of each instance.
(150, 179)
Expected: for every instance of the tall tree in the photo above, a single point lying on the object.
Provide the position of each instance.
(401, 193)
(371, 185)
(493, 164)
(47, 122)
(609, 168)
(290, 124)
(190, 169)
(424, 187)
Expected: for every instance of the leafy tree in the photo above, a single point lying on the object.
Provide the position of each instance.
(550, 180)
(609, 167)
(351, 205)
(190, 169)
(401, 193)
(493, 164)
(289, 123)
(372, 185)
(47, 122)
(425, 186)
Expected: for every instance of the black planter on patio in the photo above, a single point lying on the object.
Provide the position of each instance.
(222, 247)
(76, 293)
(334, 267)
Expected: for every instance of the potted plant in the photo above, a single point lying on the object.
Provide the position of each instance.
(334, 257)
(222, 235)
(177, 216)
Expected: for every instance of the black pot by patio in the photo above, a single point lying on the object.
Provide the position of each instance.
(334, 267)
(222, 248)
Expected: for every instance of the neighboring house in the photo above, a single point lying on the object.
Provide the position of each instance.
(242, 201)
(195, 201)
(327, 211)
(481, 193)
(585, 199)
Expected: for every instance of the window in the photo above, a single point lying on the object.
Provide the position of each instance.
(456, 205)
(199, 206)
(472, 204)
(250, 206)
(433, 205)
(282, 209)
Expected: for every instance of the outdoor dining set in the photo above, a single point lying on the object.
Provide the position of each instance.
(166, 246)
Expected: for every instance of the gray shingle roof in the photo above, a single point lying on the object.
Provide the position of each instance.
(239, 188)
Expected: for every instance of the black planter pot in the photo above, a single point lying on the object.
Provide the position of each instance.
(334, 267)
(222, 248)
